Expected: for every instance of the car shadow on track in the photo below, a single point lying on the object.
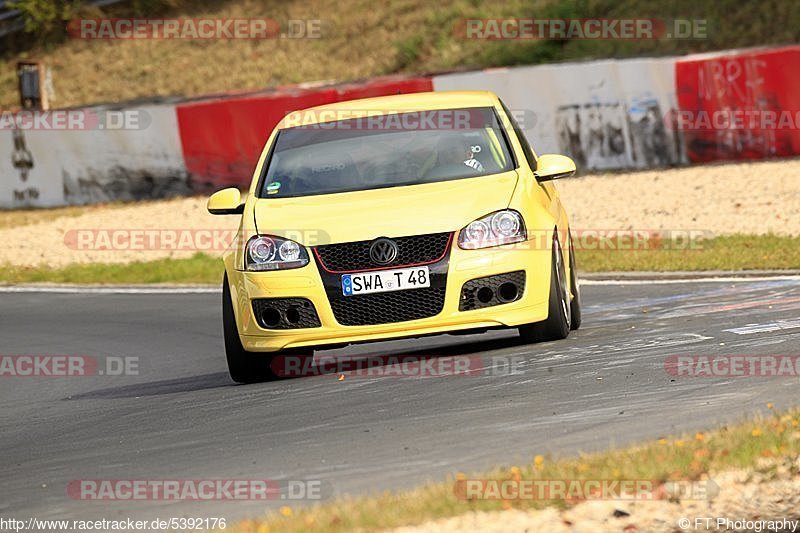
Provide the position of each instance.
(380, 358)
(220, 380)
(157, 388)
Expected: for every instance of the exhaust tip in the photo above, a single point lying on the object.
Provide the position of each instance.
(485, 295)
(271, 317)
(292, 315)
(507, 292)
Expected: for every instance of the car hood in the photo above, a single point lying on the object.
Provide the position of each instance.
(389, 212)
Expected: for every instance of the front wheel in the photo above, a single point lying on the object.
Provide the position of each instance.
(243, 366)
(557, 324)
(575, 288)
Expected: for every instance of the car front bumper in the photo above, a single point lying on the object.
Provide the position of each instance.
(462, 266)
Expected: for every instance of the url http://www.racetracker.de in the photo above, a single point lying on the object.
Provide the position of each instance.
(104, 524)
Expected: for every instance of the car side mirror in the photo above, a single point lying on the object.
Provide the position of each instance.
(554, 166)
(226, 202)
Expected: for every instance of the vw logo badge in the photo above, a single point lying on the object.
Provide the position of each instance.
(383, 251)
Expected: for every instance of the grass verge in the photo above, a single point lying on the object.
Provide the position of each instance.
(729, 252)
(686, 458)
(22, 217)
(199, 269)
(733, 252)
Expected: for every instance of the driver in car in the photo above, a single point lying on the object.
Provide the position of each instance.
(450, 151)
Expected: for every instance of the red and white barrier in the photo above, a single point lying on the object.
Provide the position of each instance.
(610, 114)
(98, 155)
(222, 138)
(740, 104)
(605, 114)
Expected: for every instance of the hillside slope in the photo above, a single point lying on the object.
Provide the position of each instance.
(362, 38)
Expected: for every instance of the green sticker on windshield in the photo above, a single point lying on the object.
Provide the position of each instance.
(273, 187)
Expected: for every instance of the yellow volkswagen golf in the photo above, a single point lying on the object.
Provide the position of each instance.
(391, 217)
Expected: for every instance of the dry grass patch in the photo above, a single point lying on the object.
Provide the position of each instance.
(688, 457)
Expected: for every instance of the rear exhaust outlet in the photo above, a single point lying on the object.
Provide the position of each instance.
(507, 292)
(292, 316)
(485, 295)
(271, 317)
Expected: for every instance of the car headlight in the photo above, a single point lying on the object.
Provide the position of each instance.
(274, 253)
(495, 229)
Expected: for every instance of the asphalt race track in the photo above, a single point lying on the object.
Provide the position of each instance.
(182, 418)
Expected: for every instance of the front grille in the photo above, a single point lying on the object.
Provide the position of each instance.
(414, 250)
(484, 292)
(285, 313)
(388, 307)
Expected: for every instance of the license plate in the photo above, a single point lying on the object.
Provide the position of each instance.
(385, 281)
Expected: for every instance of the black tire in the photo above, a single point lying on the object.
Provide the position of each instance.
(557, 324)
(575, 289)
(243, 366)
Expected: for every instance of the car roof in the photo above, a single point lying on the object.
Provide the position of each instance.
(383, 105)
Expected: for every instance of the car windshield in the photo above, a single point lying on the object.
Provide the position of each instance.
(386, 150)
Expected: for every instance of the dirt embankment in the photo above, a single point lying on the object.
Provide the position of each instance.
(769, 493)
(753, 198)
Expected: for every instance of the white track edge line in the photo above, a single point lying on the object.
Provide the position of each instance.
(667, 281)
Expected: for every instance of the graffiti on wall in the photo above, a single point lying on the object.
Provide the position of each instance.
(725, 85)
(616, 135)
(22, 161)
(122, 184)
(741, 106)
